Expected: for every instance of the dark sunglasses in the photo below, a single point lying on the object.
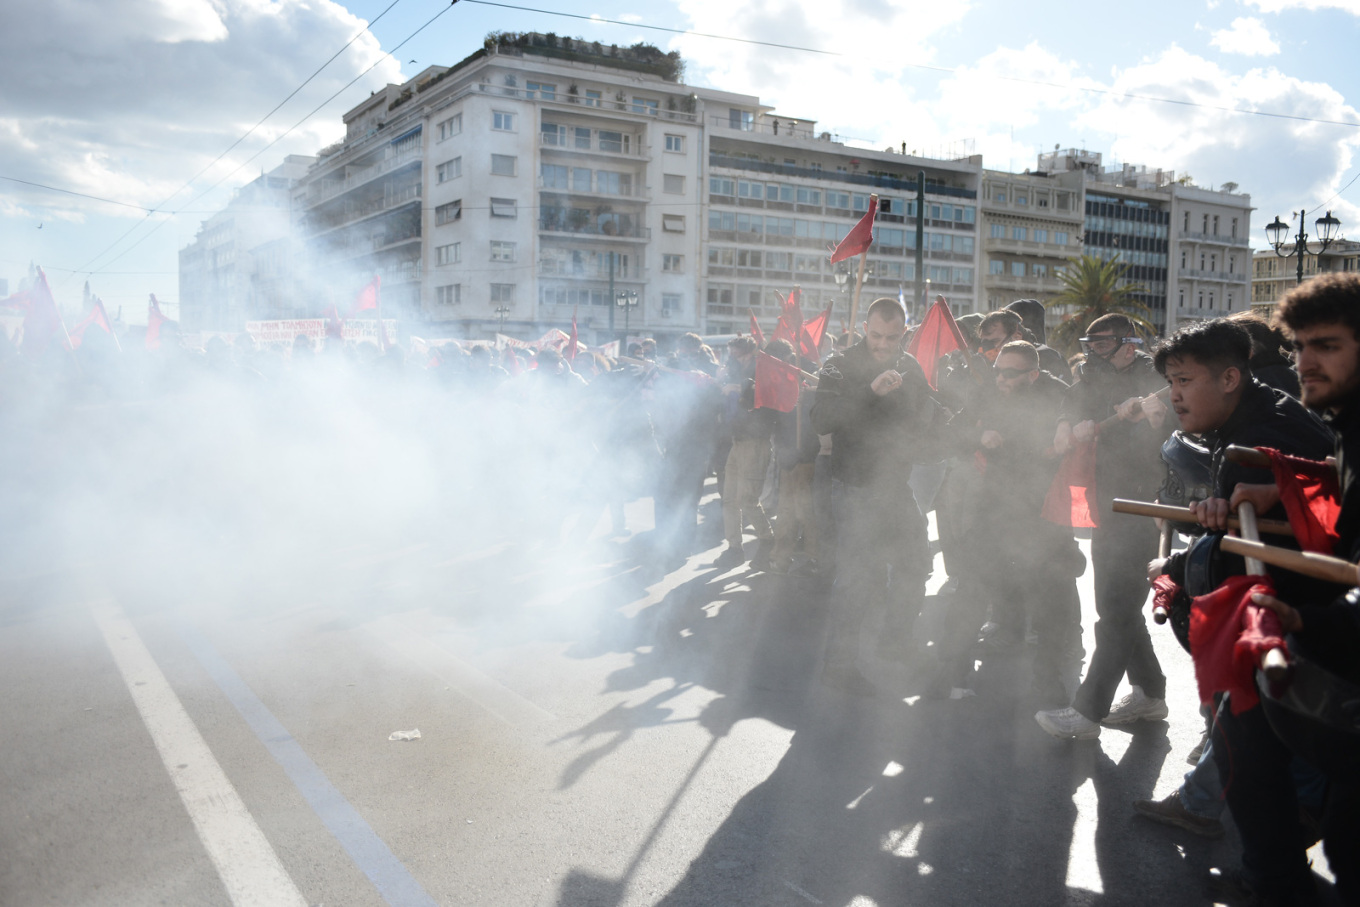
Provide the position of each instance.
(1010, 374)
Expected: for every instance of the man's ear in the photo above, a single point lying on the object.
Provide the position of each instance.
(1231, 379)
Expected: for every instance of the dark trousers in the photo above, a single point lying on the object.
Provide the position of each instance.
(1120, 551)
(1259, 787)
(882, 566)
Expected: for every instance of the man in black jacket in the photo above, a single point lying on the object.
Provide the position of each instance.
(1113, 399)
(1215, 396)
(1323, 316)
(873, 398)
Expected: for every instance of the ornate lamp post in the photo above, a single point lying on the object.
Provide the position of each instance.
(1278, 233)
(627, 300)
(501, 311)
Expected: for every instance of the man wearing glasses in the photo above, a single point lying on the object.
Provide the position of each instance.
(1117, 378)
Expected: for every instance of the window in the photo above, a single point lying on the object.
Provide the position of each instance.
(553, 176)
(502, 251)
(1230, 301)
(673, 223)
(808, 196)
(1185, 226)
(450, 254)
(1200, 303)
(1232, 264)
(722, 220)
(838, 200)
(720, 185)
(675, 143)
(553, 134)
(996, 266)
(1184, 256)
(670, 305)
(748, 258)
(1234, 228)
(592, 98)
(963, 244)
(450, 294)
(449, 170)
(645, 106)
(1206, 224)
(502, 121)
(998, 231)
(1001, 197)
(673, 264)
(1060, 238)
(744, 120)
(1041, 270)
(503, 292)
(963, 276)
(1022, 199)
(807, 264)
(1213, 262)
(503, 164)
(1020, 233)
(1041, 201)
(779, 261)
(447, 214)
(1215, 224)
(672, 184)
(581, 136)
(614, 141)
(451, 127)
(1017, 269)
(723, 258)
(611, 183)
(543, 91)
(1202, 258)
(580, 179)
(504, 207)
(1040, 235)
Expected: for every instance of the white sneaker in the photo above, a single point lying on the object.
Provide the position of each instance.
(1137, 706)
(1068, 722)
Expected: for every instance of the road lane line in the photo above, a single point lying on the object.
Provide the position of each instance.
(247, 864)
(369, 852)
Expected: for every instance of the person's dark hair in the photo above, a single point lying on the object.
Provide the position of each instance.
(1114, 323)
(1326, 299)
(689, 342)
(847, 339)
(1267, 340)
(1031, 311)
(887, 308)
(781, 349)
(741, 345)
(1008, 320)
(1021, 348)
(1219, 344)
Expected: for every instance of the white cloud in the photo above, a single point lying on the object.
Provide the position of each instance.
(1275, 6)
(1247, 37)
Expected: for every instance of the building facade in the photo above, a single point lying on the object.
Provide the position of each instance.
(240, 265)
(1273, 275)
(1031, 228)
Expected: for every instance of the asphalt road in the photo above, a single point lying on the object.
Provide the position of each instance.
(592, 732)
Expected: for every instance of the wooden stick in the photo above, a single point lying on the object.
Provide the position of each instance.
(1247, 456)
(859, 282)
(1186, 515)
(1318, 566)
(1159, 614)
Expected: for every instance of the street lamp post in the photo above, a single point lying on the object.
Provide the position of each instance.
(627, 300)
(1277, 232)
(842, 278)
(501, 311)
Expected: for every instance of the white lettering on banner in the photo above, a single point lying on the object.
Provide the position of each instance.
(283, 331)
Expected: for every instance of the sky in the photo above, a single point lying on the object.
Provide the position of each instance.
(146, 104)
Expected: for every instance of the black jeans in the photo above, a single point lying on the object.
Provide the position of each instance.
(1120, 551)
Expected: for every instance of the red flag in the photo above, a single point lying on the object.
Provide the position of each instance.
(812, 334)
(572, 343)
(756, 332)
(790, 324)
(154, 320)
(777, 383)
(860, 237)
(97, 317)
(1071, 498)
(368, 297)
(937, 335)
(511, 361)
(1228, 636)
(1311, 498)
(335, 325)
(41, 318)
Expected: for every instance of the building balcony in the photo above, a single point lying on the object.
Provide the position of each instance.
(595, 231)
(1027, 247)
(329, 189)
(355, 211)
(1047, 284)
(718, 159)
(637, 194)
(1222, 276)
(632, 150)
(406, 272)
(1214, 238)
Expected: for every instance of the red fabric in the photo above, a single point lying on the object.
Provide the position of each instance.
(41, 318)
(777, 384)
(756, 332)
(96, 317)
(335, 325)
(811, 337)
(1228, 636)
(154, 320)
(368, 296)
(1311, 498)
(511, 361)
(1164, 591)
(790, 320)
(860, 237)
(573, 343)
(937, 336)
(1072, 496)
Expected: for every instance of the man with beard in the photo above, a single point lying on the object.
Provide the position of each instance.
(874, 400)
(1020, 563)
(1116, 378)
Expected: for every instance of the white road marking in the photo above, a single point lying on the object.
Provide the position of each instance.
(1083, 868)
(247, 864)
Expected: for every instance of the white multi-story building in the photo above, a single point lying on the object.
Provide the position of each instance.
(239, 266)
(1031, 228)
(543, 176)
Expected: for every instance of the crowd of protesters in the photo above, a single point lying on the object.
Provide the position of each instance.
(837, 489)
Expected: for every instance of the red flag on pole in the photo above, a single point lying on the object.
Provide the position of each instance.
(97, 317)
(777, 383)
(1311, 498)
(368, 296)
(812, 334)
(511, 361)
(937, 335)
(860, 237)
(756, 332)
(572, 342)
(790, 324)
(1071, 499)
(154, 320)
(41, 318)
(1228, 636)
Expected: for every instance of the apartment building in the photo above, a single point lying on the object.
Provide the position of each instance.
(1273, 275)
(240, 265)
(1031, 228)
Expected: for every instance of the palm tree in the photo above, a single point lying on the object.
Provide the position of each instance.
(1091, 289)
